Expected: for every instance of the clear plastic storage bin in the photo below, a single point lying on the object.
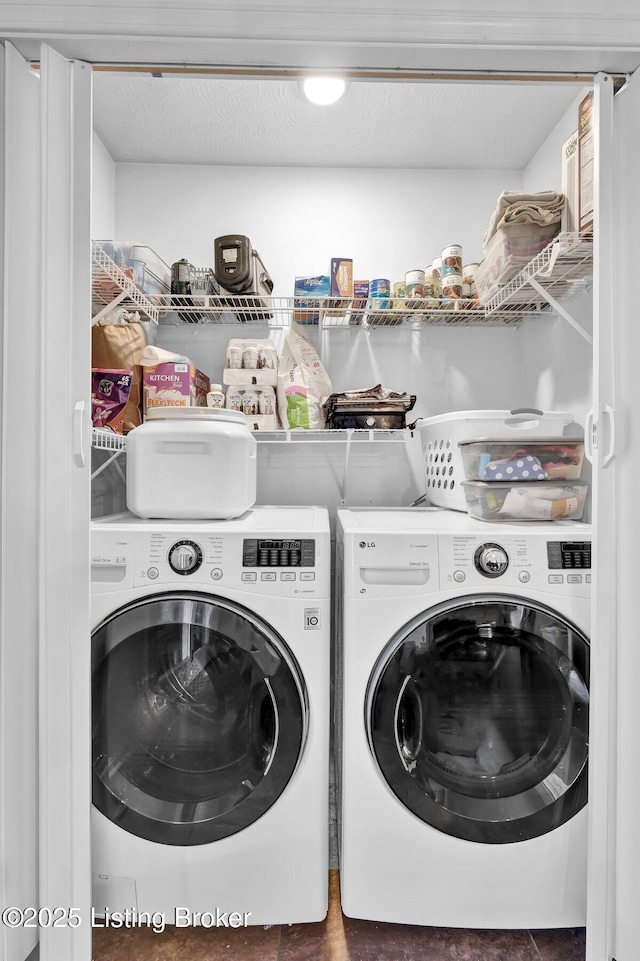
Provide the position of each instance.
(509, 250)
(441, 435)
(146, 269)
(490, 460)
(539, 501)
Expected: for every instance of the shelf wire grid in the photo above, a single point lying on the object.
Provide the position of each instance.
(564, 269)
(107, 440)
(110, 284)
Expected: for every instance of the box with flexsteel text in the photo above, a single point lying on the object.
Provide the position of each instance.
(174, 385)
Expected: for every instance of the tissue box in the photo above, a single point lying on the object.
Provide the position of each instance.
(307, 291)
(174, 385)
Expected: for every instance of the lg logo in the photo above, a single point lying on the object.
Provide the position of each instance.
(367, 543)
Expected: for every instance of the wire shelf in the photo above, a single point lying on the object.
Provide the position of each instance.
(339, 436)
(563, 269)
(324, 312)
(107, 440)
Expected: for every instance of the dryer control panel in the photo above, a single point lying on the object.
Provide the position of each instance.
(538, 561)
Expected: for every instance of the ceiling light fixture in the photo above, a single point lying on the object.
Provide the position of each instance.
(323, 90)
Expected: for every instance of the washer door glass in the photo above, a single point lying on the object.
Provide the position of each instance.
(199, 718)
(477, 715)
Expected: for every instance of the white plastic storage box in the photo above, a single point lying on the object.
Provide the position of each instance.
(529, 460)
(539, 501)
(441, 435)
(194, 463)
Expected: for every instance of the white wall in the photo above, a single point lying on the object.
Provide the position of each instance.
(387, 221)
(559, 360)
(103, 179)
(298, 218)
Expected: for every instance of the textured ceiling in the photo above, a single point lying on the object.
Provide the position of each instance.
(253, 122)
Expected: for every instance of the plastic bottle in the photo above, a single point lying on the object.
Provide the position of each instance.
(215, 397)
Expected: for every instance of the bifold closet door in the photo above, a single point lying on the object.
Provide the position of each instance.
(19, 493)
(46, 282)
(626, 207)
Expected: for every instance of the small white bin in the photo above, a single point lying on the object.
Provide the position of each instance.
(440, 436)
(191, 463)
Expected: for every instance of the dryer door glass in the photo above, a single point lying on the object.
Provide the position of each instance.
(199, 718)
(477, 716)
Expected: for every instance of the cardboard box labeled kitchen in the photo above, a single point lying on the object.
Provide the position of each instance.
(174, 385)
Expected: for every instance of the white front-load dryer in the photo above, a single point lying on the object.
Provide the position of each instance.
(210, 717)
(463, 708)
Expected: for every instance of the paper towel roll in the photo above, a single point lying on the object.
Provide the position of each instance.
(152, 356)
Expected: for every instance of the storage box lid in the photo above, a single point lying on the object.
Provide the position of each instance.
(564, 485)
(524, 441)
(196, 413)
(519, 414)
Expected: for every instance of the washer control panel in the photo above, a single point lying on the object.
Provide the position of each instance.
(208, 558)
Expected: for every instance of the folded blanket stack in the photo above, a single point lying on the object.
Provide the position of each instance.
(539, 209)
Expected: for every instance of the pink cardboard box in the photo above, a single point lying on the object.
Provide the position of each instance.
(174, 385)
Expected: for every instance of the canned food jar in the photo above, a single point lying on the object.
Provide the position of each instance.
(436, 268)
(452, 260)
(414, 284)
(451, 288)
(399, 294)
(469, 273)
(379, 293)
(433, 288)
(216, 476)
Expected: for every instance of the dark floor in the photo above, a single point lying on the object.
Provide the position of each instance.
(338, 939)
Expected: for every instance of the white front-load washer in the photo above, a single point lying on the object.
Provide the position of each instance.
(463, 708)
(210, 716)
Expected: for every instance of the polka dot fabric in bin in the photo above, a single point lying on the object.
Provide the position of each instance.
(524, 467)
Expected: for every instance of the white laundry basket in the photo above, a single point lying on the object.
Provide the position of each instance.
(440, 436)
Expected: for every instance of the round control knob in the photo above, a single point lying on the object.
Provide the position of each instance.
(185, 557)
(491, 560)
(370, 421)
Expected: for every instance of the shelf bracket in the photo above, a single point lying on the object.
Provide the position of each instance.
(557, 306)
(109, 307)
(343, 486)
(106, 464)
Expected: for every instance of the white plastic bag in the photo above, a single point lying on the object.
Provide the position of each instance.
(303, 383)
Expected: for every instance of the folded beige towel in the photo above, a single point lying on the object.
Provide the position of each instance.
(542, 208)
